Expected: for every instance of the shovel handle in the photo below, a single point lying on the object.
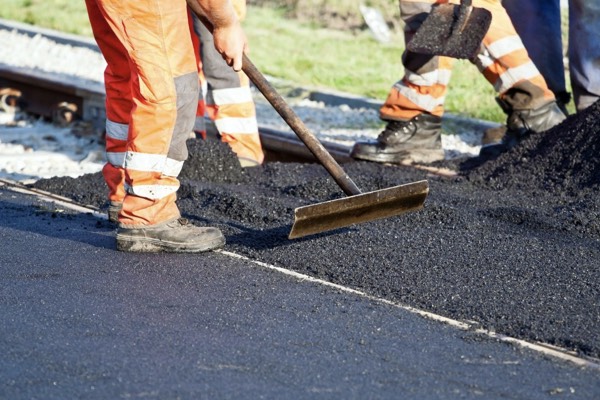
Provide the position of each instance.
(294, 122)
(289, 116)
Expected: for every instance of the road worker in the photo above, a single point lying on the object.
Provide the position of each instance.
(152, 91)
(226, 101)
(415, 104)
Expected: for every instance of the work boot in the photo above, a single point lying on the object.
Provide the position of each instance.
(114, 208)
(174, 236)
(405, 142)
(519, 125)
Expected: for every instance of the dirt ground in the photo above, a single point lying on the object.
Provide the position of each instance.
(512, 243)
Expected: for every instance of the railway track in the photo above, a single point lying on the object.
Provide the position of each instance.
(75, 93)
(67, 102)
(65, 99)
(64, 102)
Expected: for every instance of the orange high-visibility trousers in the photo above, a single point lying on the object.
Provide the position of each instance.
(502, 60)
(152, 91)
(226, 98)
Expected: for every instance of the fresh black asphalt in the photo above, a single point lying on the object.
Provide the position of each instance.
(83, 321)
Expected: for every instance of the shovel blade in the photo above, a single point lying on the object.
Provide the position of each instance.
(359, 208)
(449, 32)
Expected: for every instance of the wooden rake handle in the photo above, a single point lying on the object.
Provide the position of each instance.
(296, 124)
(289, 116)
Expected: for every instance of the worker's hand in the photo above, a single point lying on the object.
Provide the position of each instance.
(231, 42)
(228, 35)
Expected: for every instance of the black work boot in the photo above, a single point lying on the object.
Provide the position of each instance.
(405, 142)
(520, 124)
(175, 236)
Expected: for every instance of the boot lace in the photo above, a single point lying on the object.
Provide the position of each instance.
(397, 131)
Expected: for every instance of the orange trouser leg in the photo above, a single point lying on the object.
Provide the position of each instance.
(155, 117)
(234, 114)
(503, 61)
(424, 84)
(228, 101)
(117, 77)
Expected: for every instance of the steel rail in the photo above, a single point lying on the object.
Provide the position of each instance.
(52, 96)
(63, 99)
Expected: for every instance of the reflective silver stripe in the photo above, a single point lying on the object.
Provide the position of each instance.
(152, 163)
(514, 75)
(237, 125)
(426, 102)
(505, 46)
(145, 162)
(172, 167)
(438, 76)
(153, 192)
(116, 159)
(203, 89)
(232, 96)
(116, 130)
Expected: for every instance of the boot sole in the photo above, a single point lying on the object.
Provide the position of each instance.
(406, 157)
(150, 245)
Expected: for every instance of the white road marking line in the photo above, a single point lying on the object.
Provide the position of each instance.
(544, 348)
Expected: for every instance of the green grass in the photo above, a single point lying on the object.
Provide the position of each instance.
(63, 15)
(301, 53)
(321, 57)
(352, 63)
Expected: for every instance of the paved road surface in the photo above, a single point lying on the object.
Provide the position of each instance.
(81, 320)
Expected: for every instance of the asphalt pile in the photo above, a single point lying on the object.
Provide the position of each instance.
(564, 160)
(512, 244)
